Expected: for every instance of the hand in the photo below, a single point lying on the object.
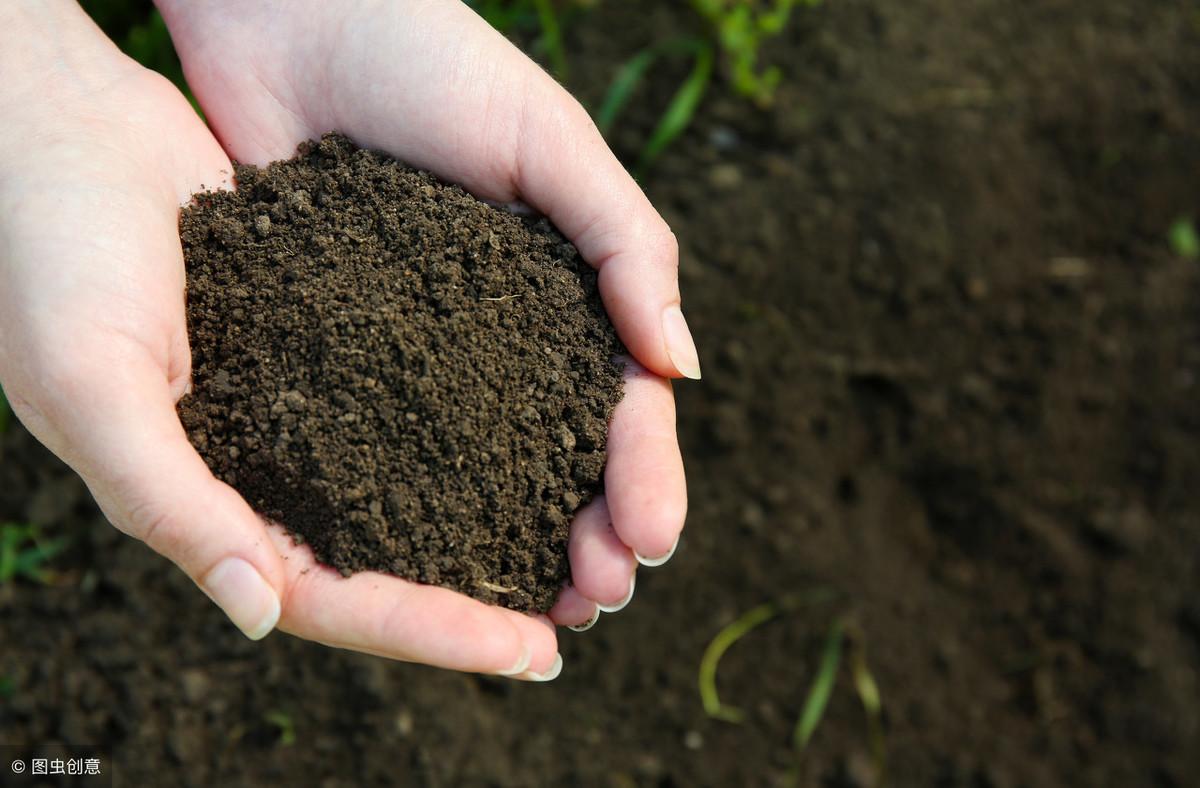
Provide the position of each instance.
(93, 352)
(431, 83)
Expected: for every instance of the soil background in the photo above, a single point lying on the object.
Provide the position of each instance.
(951, 373)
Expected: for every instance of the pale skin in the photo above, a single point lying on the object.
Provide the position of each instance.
(96, 156)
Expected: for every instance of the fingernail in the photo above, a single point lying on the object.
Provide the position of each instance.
(520, 666)
(657, 561)
(680, 345)
(549, 675)
(249, 600)
(586, 625)
(620, 605)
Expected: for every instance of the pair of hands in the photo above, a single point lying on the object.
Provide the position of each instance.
(98, 153)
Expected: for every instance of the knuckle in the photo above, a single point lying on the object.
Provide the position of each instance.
(151, 524)
(665, 247)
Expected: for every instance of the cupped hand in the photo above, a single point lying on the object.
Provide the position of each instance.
(429, 82)
(93, 340)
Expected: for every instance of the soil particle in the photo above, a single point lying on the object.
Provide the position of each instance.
(399, 375)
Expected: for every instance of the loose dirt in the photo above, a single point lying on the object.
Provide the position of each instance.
(408, 379)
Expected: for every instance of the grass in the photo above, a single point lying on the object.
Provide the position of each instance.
(716, 649)
(841, 636)
(737, 30)
(24, 553)
(822, 688)
(740, 27)
(683, 105)
(1184, 239)
(872, 703)
(283, 723)
(552, 37)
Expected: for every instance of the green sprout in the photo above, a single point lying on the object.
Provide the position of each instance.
(821, 689)
(740, 27)
(872, 703)
(552, 38)
(1184, 239)
(24, 553)
(731, 634)
(282, 721)
(682, 108)
(717, 648)
(824, 681)
(8, 687)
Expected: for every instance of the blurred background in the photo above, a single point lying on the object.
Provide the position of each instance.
(942, 263)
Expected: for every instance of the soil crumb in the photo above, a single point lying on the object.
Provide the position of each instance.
(406, 378)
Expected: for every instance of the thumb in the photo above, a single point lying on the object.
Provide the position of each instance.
(131, 450)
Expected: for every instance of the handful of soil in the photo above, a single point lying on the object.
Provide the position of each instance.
(406, 378)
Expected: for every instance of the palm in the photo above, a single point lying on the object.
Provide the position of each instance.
(96, 307)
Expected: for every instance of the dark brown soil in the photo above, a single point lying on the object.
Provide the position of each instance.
(408, 379)
(951, 373)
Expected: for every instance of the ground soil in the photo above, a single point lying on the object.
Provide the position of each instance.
(408, 379)
(951, 370)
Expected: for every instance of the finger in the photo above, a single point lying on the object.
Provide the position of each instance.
(644, 480)
(116, 417)
(574, 611)
(394, 618)
(567, 171)
(602, 566)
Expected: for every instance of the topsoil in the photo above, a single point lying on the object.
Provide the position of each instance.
(408, 379)
(951, 374)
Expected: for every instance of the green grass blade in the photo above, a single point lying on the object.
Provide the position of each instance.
(773, 21)
(872, 703)
(22, 554)
(552, 38)
(283, 722)
(716, 649)
(633, 72)
(821, 690)
(30, 563)
(1184, 239)
(682, 108)
(8, 563)
(12, 536)
(628, 77)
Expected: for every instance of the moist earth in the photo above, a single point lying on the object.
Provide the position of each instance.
(408, 379)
